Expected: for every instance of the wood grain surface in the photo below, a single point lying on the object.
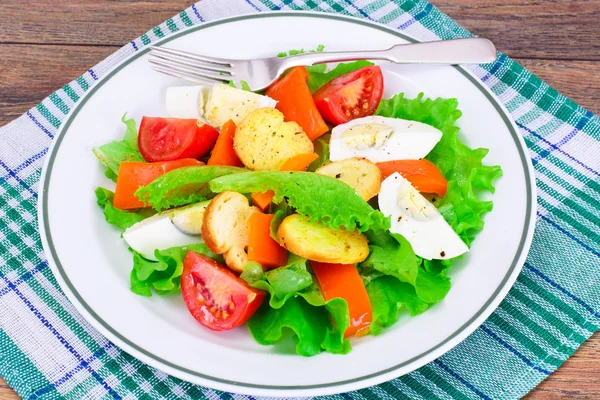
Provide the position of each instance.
(44, 45)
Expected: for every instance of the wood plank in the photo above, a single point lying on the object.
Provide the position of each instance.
(6, 393)
(577, 378)
(31, 73)
(99, 22)
(558, 29)
(524, 29)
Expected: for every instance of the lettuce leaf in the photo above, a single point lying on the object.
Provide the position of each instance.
(461, 165)
(395, 258)
(120, 218)
(280, 211)
(317, 78)
(183, 186)
(294, 52)
(315, 328)
(322, 149)
(388, 296)
(163, 275)
(112, 154)
(296, 303)
(283, 282)
(321, 198)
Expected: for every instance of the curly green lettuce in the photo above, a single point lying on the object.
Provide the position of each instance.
(163, 276)
(120, 218)
(321, 198)
(183, 186)
(389, 296)
(112, 154)
(296, 303)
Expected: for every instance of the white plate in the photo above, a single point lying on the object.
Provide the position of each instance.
(92, 263)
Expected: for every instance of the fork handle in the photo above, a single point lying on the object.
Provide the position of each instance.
(457, 51)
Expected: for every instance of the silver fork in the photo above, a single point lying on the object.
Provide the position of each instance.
(260, 73)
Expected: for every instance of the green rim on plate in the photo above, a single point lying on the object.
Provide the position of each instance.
(51, 252)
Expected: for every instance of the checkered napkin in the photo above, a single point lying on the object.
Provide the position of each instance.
(47, 350)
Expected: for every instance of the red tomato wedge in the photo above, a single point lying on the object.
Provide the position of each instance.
(343, 280)
(352, 95)
(132, 175)
(296, 163)
(165, 139)
(217, 298)
(223, 153)
(261, 246)
(296, 103)
(423, 175)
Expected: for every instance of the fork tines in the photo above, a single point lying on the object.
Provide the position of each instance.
(191, 67)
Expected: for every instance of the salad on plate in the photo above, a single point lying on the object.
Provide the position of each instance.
(315, 207)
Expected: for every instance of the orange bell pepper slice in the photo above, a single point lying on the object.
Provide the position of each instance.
(223, 153)
(343, 280)
(423, 174)
(297, 163)
(296, 103)
(261, 246)
(132, 175)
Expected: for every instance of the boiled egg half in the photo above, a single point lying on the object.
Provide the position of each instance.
(380, 139)
(228, 103)
(419, 221)
(172, 228)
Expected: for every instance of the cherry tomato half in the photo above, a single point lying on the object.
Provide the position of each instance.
(350, 96)
(165, 139)
(217, 298)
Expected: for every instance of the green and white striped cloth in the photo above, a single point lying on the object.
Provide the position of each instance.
(48, 351)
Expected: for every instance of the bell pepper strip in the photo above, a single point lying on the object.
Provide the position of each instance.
(297, 163)
(261, 246)
(343, 280)
(223, 153)
(423, 174)
(296, 103)
(262, 199)
(132, 175)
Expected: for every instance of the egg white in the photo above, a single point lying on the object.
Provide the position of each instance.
(380, 139)
(419, 221)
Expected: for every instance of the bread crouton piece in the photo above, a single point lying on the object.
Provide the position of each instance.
(264, 142)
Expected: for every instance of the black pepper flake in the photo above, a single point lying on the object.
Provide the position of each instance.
(443, 254)
(338, 176)
(399, 218)
(433, 199)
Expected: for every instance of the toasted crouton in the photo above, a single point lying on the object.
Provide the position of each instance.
(264, 142)
(225, 228)
(360, 174)
(320, 243)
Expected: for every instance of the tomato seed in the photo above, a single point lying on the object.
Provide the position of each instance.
(231, 306)
(224, 314)
(213, 309)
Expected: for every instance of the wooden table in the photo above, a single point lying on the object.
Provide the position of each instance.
(44, 45)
